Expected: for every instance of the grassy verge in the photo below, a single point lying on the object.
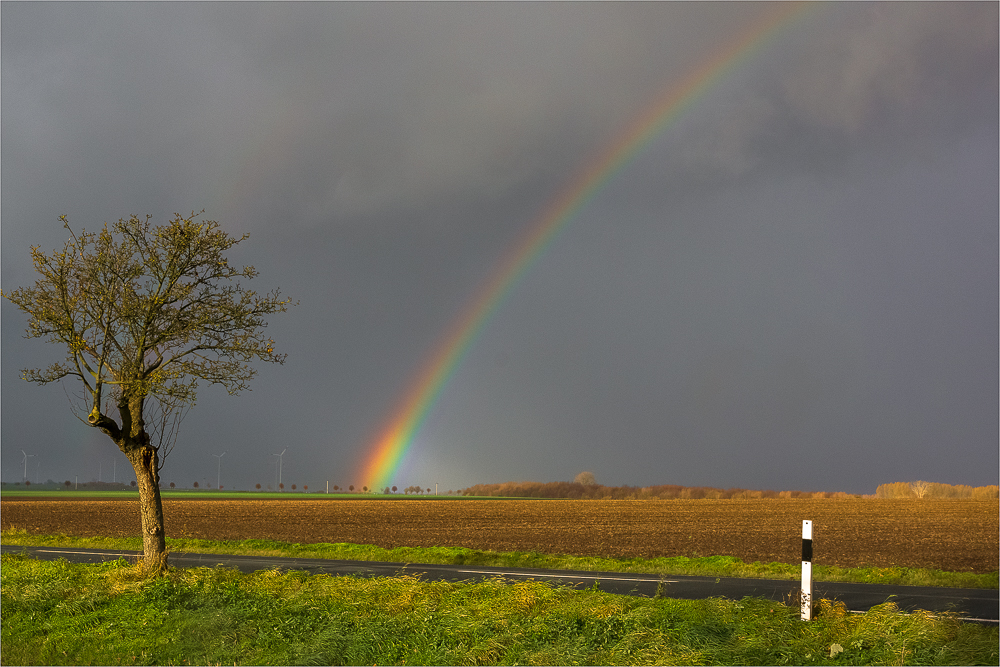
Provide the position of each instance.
(711, 566)
(62, 613)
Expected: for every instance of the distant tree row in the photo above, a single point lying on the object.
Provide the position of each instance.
(663, 491)
(92, 485)
(935, 490)
(580, 490)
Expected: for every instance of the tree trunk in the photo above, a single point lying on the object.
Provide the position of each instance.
(145, 463)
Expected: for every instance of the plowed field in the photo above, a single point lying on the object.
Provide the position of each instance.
(948, 535)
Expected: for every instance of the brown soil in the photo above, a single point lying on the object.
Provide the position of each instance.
(948, 535)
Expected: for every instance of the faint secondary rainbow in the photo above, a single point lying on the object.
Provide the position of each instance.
(397, 434)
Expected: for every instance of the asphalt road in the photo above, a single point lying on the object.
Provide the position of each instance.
(976, 604)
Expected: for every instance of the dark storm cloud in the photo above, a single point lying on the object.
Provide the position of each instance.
(794, 286)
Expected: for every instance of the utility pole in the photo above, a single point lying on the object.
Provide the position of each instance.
(218, 480)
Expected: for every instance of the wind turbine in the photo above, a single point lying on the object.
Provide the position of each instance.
(26, 455)
(279, 464)
(218, 481)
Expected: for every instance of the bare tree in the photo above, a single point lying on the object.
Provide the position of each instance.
(146, 312)
(585, 478)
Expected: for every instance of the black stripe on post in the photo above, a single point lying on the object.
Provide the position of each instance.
(807, 550)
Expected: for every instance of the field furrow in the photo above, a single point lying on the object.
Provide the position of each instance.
(948, 535)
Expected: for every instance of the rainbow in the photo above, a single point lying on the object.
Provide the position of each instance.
(396, 436)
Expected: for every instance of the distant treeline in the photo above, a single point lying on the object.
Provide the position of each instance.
(935, 490)
(930, 490)
(664, 491)
(50, 485)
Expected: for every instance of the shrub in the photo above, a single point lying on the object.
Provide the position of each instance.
(935, 490)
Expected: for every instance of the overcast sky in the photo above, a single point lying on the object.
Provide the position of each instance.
(795, 286)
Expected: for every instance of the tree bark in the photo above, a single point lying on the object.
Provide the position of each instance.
(133, 441)
(145, 462)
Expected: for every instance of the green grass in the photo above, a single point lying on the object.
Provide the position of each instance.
(54, 612)
(712, 566)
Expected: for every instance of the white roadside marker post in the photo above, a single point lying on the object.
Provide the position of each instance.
(807, 579)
